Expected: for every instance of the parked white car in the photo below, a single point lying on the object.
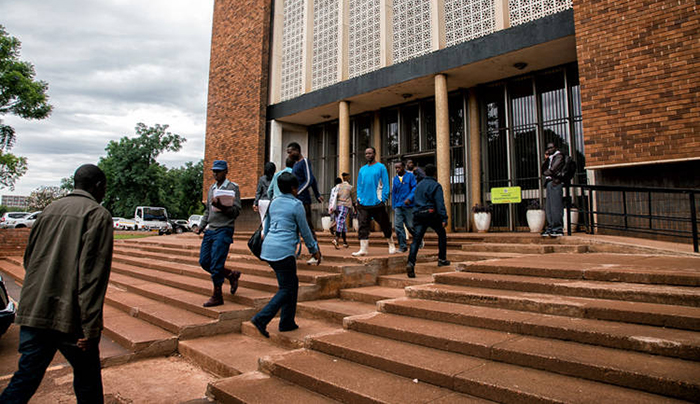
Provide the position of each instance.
(22, 222)
(193, 222)
(11, 217)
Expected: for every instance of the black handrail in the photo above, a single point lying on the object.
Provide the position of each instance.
(590, 214)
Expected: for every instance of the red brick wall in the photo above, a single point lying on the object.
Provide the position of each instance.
(640, 79)
(238, 81)
(13, 241)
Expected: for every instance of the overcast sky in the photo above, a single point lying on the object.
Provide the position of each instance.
(110, 64)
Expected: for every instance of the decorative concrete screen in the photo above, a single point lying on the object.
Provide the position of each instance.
(412, 29)
(468, 19)
(325, 47)
(292, 48)
(364, 44)
(522, 11)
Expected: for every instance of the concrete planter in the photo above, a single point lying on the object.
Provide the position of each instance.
(482, 221)
(535, 220)
(326, 223)
(574, 219)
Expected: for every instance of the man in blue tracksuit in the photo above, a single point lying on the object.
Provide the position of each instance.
(305, 175)
(372, 195)
(428, 211)
(402, 190)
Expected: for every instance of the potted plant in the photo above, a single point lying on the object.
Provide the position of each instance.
(535, 216)
(482, 217)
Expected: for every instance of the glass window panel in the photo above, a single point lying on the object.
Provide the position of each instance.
(456, 120)
(391, 133)
(411, 128)
(429, 127)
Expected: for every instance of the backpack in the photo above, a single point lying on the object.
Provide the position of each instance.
(568, 170)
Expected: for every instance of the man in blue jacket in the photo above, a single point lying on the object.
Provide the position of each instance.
(402, 190)
(428, 211)
(372, 195)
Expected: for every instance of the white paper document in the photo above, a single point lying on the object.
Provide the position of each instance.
(226, 198)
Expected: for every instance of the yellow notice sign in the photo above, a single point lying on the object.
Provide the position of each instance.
(506, 195)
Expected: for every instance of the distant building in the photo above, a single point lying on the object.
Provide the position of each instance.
(15, 201)
(477, 87)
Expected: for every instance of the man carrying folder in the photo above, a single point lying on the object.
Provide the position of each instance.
(223, 207)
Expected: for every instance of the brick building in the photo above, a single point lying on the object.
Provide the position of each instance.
(15, 201)
(477, 87)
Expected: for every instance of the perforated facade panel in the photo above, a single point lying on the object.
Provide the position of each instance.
(292, 49)
(468, 19)
(325, 46)
(412, 29)
(522, 11)
(364, 46)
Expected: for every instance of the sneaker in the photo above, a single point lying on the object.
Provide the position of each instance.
(545, 233)
(410, 270)
(422, 244)
(403, 249)
(312, 261)
(556, 234)
(287, 329)
(346, 245)
(335, 243)
(260, 327)
(443, 263)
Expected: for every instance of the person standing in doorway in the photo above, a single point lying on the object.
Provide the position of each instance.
(372, 195)
(223, 207)
(67, 262)
(262, 200)
(554, 204)
(402, 191)
(273, 190)
(344, 201)
(428, 212)
(412, 168)
(305, 175)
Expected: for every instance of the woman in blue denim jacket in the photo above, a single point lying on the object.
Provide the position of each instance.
(285, 219)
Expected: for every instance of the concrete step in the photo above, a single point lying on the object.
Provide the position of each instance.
(471, 375)
(371, 294)
(187, 300)
(183, 323)
(654, 374)
(244, 295)
(637, 292)
(400, 281)
(662, 315)
(654, 340)
(679, 271)
(525, 248)
(227, 354)
(138, 336)
(12, 269)
(259, 388)
(350, 382)
(290, 339)
(333, 310)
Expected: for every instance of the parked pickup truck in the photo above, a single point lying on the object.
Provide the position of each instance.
(152, 218)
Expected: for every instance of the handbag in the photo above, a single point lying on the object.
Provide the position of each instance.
(256, 240)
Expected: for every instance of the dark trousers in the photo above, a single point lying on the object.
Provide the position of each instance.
(421, 223)
(213, 252)
(286, 297)
(365, 214)
(554, 207)
(38, 347)
(307, 211)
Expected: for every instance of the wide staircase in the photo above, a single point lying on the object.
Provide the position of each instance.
(516, 318)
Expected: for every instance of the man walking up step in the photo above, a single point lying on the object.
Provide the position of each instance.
(429, 212)
(372, 194)
(402, 191)
(223, 207)
(67, 261)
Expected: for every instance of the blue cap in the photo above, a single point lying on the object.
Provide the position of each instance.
(219, 165)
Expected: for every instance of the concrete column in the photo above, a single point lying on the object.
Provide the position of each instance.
(343, 37)
(376, 137)
(343, 137)
(437, 24)
(474, 151)
(386, 34)
(277, 152)
(276, 54)
(308, 50)
(442, 123)
(502, 14)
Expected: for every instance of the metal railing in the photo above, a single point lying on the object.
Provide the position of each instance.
(666, 212)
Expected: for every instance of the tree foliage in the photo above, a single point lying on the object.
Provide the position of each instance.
(20, 95)
(41, 197)
(134, 177)
(185, 190)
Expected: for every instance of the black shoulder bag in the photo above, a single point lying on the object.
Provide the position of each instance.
(256, 240)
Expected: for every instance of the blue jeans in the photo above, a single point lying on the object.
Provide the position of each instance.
(554, 207)
(286, 297)
(38, 347)
(213, 253)
(422, 223)
(403, 215)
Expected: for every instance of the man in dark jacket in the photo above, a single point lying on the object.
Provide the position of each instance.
(428, 212)
(67, 262)
(554, 204)
(305, 175)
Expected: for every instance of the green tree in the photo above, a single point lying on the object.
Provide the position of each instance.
(185, 190)
(67, 183)
(41, 197)
(20, 95)
(134, 177)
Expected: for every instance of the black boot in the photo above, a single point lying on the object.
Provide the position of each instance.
(233, 279)
(410, 270)
(216, 299)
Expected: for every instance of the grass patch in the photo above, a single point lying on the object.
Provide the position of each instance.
(128, 236)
